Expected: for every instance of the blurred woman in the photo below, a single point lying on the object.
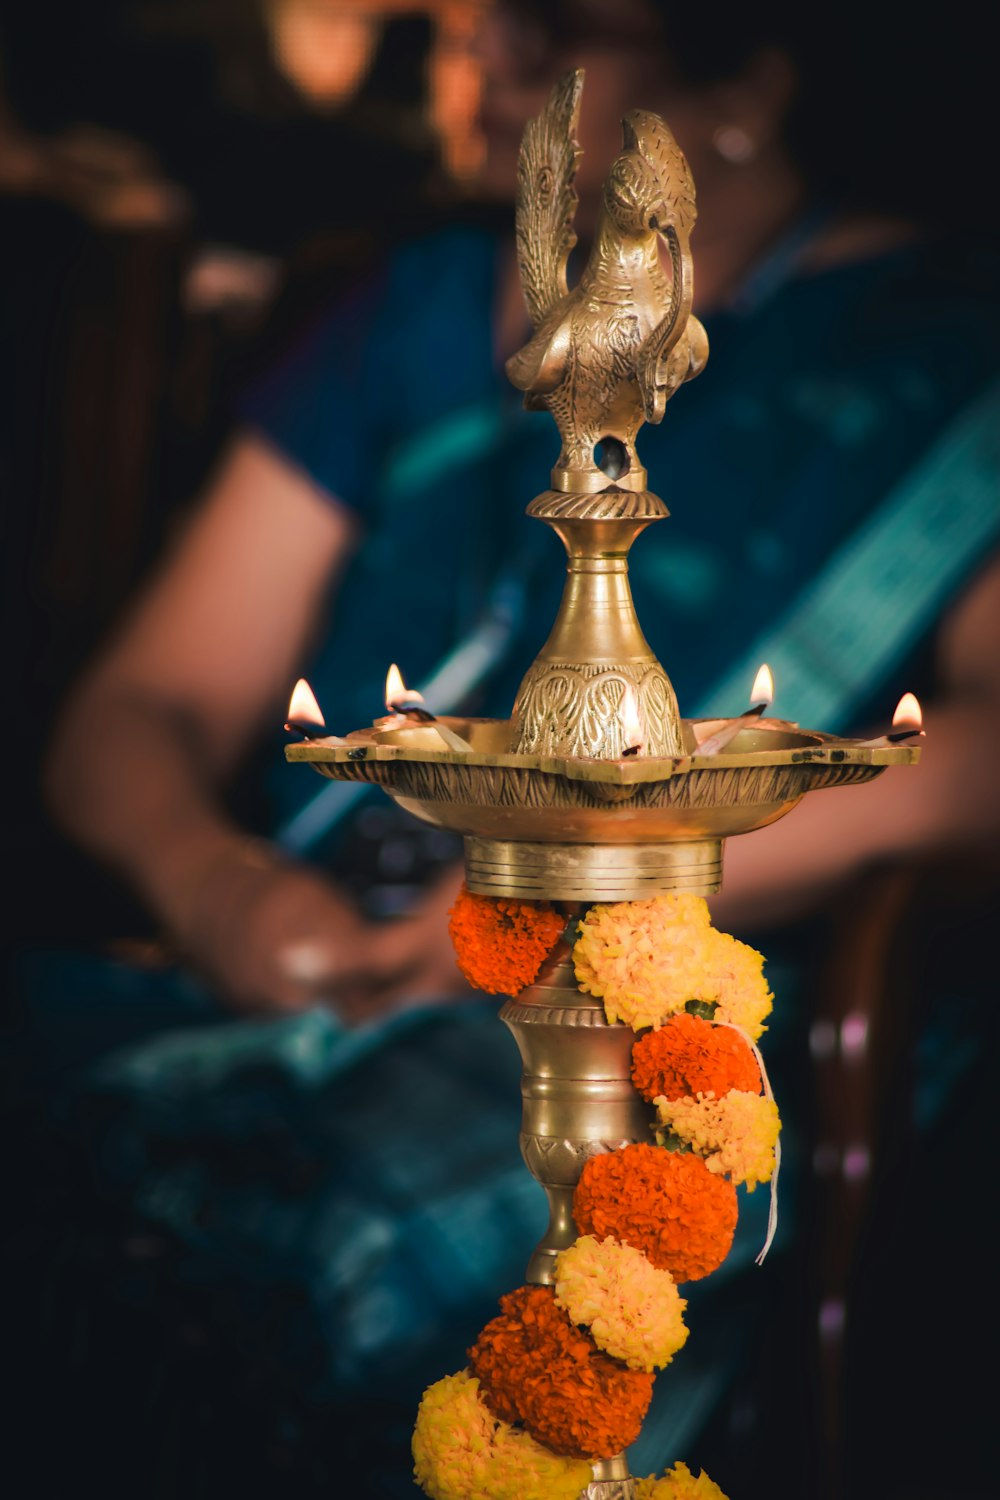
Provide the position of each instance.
(371, 510)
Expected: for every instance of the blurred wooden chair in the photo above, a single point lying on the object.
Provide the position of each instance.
(903, 943)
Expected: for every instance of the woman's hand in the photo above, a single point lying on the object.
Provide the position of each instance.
(273, 936)
(412, 956)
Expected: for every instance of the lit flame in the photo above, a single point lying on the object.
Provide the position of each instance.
(396, 690)
(763, 686)
(907, 713)
(631, 723)
(302, 706)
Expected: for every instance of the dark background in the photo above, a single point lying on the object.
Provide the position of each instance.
(139, 145)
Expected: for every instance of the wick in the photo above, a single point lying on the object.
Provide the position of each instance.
(306, 729)
(631, 750)
(896, 736)
(412, 711)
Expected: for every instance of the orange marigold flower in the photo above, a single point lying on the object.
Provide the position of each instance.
(500, 945)
(665, 1203)
(537, 1368)
(688, 1056)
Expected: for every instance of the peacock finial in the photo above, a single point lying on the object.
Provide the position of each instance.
(608, 354)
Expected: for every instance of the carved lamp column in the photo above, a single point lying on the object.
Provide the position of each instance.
(571, 699)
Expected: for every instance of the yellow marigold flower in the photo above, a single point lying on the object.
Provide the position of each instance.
(647, 959)
(678, 1484)
(633, 1310)
(462, 1452)
(735, 1135)
(744, 997)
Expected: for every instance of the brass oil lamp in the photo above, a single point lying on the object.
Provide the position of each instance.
(595, 789)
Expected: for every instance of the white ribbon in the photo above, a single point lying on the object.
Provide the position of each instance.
(772, 1216)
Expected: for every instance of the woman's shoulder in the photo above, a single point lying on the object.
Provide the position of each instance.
(455, 257)
(401, 297)
(922, 295)
(402, 338)
(461, 240)
(911, 323)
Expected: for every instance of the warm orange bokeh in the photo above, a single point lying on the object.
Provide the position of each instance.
(326, 48)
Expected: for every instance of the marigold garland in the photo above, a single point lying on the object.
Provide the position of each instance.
(647, 959)
(536, 1367)
(563, 1375)
(461, 1451)
(678, 1484)
(735, 1136)
(689, 1056)
(633, 1310)
(500, 945)
(665, 1203)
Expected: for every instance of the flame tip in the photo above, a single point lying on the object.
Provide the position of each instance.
(302, 705)
(908, 711)
(763, 685)
(396, 690)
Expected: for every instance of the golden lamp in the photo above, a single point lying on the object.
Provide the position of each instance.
(595, 789)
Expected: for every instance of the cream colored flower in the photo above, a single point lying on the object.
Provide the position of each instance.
(745, 1000)
(647, 959)
(633, 1310)
(736, 1135)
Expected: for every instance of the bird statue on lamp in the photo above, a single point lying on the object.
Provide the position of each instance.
(609, 354)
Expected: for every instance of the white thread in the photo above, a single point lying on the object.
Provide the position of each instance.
(772, 1215)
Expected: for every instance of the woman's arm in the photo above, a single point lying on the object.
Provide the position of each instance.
(951, 800)
(202, 663)
(205, 655)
